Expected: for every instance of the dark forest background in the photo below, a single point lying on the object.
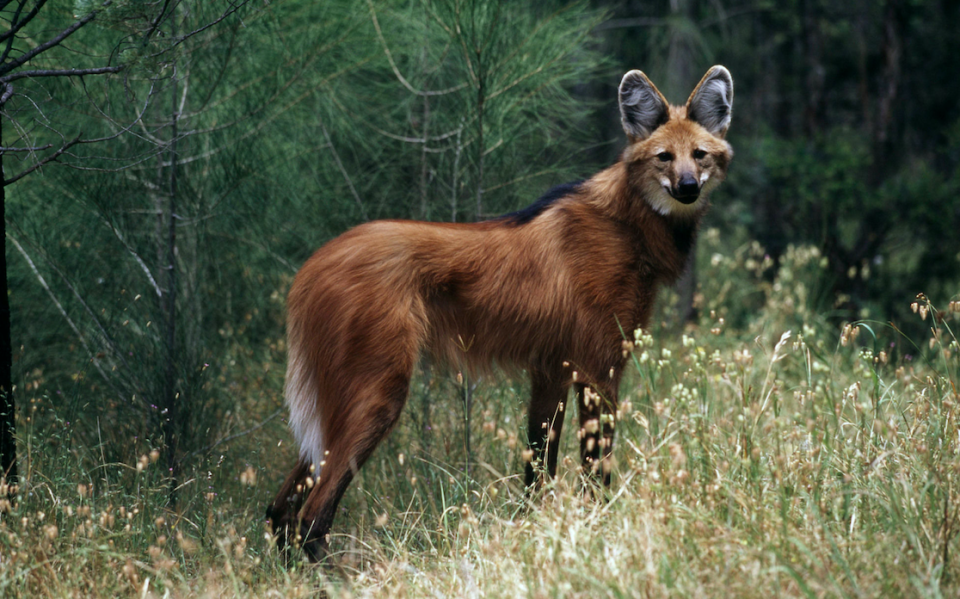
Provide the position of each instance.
(168, 165)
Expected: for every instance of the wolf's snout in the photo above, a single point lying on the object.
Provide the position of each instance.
(687, 189)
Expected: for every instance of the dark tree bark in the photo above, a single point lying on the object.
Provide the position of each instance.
(875, 224)
(816, 72)
(894, 23)
(681, 71)
(8, 406)
(170, 413)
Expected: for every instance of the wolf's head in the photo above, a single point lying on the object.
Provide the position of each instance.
(677, 154)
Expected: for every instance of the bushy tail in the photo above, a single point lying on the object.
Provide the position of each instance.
(301, 394)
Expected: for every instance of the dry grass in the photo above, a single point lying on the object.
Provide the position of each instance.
(785, 456)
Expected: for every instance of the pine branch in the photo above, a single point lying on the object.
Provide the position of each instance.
(6, 67)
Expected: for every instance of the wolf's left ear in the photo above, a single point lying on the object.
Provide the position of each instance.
(712, 100)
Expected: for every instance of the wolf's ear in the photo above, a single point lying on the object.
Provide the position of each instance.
(642, 107)
(712, 100)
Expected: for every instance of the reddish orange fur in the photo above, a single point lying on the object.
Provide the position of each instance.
(550, 296)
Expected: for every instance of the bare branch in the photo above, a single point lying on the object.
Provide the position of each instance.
(137, 119)
(417, 140)
(16, 25)
(62, 73)
(156, 22)
(179, 40)
(63, 150)
(42, 162)
(55, 41)
(33, 149)
(223, 16)
(136, 256)
(16, 15)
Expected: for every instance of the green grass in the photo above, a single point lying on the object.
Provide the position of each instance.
(751, 462)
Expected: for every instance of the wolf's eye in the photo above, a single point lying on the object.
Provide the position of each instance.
(665, 156)
(698, 154)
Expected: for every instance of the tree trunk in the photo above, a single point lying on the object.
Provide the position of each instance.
(894, 23)
(815, 71)
(8, 406)
(680, 73)
(170, 417)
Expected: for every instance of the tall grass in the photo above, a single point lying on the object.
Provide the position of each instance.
(768, 450)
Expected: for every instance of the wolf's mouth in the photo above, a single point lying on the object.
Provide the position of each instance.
(688, 198)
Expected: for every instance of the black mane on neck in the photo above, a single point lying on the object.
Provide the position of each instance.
(525, 215)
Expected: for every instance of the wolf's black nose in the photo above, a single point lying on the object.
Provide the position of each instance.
(688, 186)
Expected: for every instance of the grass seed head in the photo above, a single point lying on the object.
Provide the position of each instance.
(187, 545)
(249, 477)
(677, 455)
(130, 572)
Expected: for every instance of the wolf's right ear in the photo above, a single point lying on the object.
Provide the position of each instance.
(711, 101)
(642, 107)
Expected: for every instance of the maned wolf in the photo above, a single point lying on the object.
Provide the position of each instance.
(550, 289)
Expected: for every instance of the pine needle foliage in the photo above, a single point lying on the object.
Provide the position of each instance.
(151, 269)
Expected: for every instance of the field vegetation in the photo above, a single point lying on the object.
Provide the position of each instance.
(786, 455)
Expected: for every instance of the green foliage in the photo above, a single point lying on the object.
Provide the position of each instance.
(467, 113)
(882, 242)
(258, 157)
